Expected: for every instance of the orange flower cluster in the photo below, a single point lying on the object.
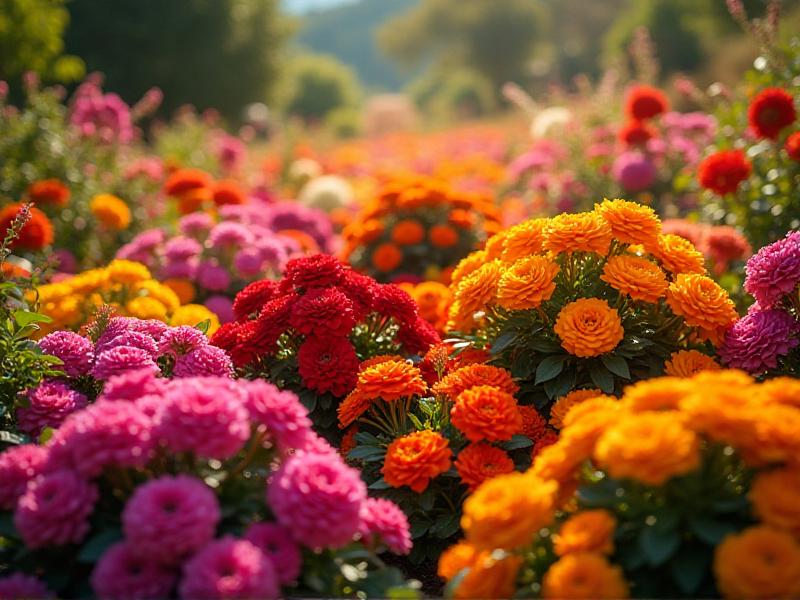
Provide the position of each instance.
(434, 299)
(415, 459)
(196, 190)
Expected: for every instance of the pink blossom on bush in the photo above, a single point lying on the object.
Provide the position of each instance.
(177, 341)
(18, 465)
(121, 359)
(132, 385)
(75, 351)
(382, 521)
(277, 544)
(122, 574)
(281, 412)
(48, 405)
(19, 586)
(204, 361)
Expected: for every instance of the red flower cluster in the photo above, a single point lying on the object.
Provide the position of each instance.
(195, 189)
(644, 102)
(34, 235)
(317, 305)
(770, 112)
(48, 191)
(722, 172)
(793, 146)
(636, 133)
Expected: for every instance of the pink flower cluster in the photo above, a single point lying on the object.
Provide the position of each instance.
(102, 116)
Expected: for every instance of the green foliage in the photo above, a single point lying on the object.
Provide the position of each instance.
(462, 93)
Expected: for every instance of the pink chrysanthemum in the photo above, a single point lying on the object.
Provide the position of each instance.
(759, 339)
(205, 415)
(18, 465)
(213, 276)
(204, 361)
(55, 509)
(229, 568)
(277, 544)
(122, 574)
(75, 351)
(383, 521)
(169, 518)
(19, 586)
(48, 406)
(132, 339)
(318, 498)
(121, 359)
(774, 271)
(285, 418)
(221, 306)
(132, 385)
(119, 325)
(177, 341)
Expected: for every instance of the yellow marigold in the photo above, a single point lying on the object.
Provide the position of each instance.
(489, 578)
(775, 436)
(564, 404)
(415, 459)
(631, 222)
(467, 265)
(584, 575)
(193, 315)
(589, 327)
(391, 380)
(494, 245)
(663, 393)
(702, 302)
(127, 271)
(775, 498)
(636, 277)
(473, 375)
(96, 279)
(686, 363)
(648, 447)
(527, 283)
(782, 390)
(433, 299)
(523, 240)
(486, 413)
(723, 412)
(481, 461)
(159, 291)
(460, 319)
(52, 291)
(759, 562)
(111, 211)
(586, 531)
(477, 290)
(183, 288)
(677, 254)
(507, 511)
(146, 307)
(578, 232)
(456, 558)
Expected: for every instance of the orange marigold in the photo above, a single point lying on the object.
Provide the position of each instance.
(524, 239)
(631, 222)
(677, 254)
(443, 236)
(193, 200)
(486, 413)
(481, 461)
(663, 393)
(495, 244)
(527, 283)
(759, 562)
(775, 498)
(489, 578)
(589, 327)
(352, 407)
(48, 191)
(433, 299)
(472, 375)
(456, 558)
(228, 191)
(564, 404)
(578, 232)
(370, 230)
(462, 218)
(111, 211)
(478, 289)
(467, 265)
(533, 424)
(635, 276)
(184, 180)
(376, 360)
(584, 575)
(415, 459)
(348, 441)
(702, 302)
(390, 380)
(781, 390)
(587, 531)
(649, 447)
(506, 512)
(183, 288)
(408, 232)
(386, 257)
(686, 363)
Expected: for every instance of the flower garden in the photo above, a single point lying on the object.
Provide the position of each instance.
(475, 363)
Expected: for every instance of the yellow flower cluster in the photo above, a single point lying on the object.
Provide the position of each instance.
(124, 285)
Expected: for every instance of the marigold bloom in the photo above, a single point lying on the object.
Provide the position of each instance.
(663, 393)
(723, 171)
(759, 562)
(489, 578)
(702, 302)
(34, 235)
(184, 180)
(524, 239)
(507, 511)
(183, 288)
(649, 447)
(792, 146)
(636, 277)
(781, 390)
(127, 271)
(589, 327)
(193, 200)
(565, 404)
(687, 363)
(494, 245)
(467, 265)
(533, 424)
(415, 459)
(678, 255)
(48, 191)
(408, 232)
(386, 257)
(578, 232)
(486, 413)
(433, 299)
(631, 222)
(456, 558)
(478, 289)
(586, 531)
(469, 376)
(775, 497)
(352, 407)
(193, 315)
(228, 191)
(636, 133)
(111, 211)
(584, 575)
(770, 112)
(527, 283)
(146, 308)
(481, 461)
(443, 236)
(390, 380)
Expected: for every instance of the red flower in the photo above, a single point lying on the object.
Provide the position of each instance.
(226, 336)
(328, 365)
(417, 336)
(645, 102)
(793, 146)
(392, 301)
(361, 291)
(549, 438)
(723, 171)
(636, 133)
(228, 191)
(770, 111)
(184, 180)
(272, 322)
(724, 244)
(253, 297)
(323, 311)
(49, 191)
(319, 270)
(35, 234)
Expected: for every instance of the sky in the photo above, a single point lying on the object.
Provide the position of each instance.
(304, 6)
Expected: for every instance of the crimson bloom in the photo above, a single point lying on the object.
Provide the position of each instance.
(770, 111)
(723, 171)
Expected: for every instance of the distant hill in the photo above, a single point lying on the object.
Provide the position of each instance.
(348, 33)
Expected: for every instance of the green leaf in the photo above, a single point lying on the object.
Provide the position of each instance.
(561, 385)
(617, 365)
(503, 341)
(203, 326)
(367, 453)
(96, 545)
(427, 499)
(419, 527)
(365, 437)
(7, 528)
(415, 420)
(23, 318)
(658, 545)
(601, 493)
(446, 525)
(516, 442)
(549, 368)
(689, 567)
(544, 345)
(601, 377)
(46, 434)
(380, 484)
(710, 530)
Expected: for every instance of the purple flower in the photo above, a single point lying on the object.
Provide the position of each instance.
(48, 405)
(756, 341)
(213, 276)
(277, 544)
(132, 385)
(122, 574)
(196, 224)
(55, 510)
(318, 499)
(19, 586)
(121, 359)
(290, 215)
(120, 325)
(229, 235)
(281, 412)
(383, 521)
(222, 306)
(229, 568)
(180, 268)
(18, 465)
(248, 261)
(170, 518)
(633, 171)
(177, 341)
(205, 415)
(182, 248)
(204, 361)
(774, 271)
(273, 251)
(75, 351)
(132, 339)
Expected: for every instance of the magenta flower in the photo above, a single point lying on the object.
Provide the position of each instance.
(222, 306)
(204, 361)
(213, 276)
(120, 359)
(75, 351)
(122, 574)
(132, 339)
(382, 521)
(169, 518)
(19, 586)
(177, 341)
(633, 171)
(229, 568)
(48, 406)
(55, 510)
(756, 341)
(281, 412)
(132, 385)
(196, 224)
(277, 544)
(229, 235)
(774, 271)
(18, 465)
(180, 249)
